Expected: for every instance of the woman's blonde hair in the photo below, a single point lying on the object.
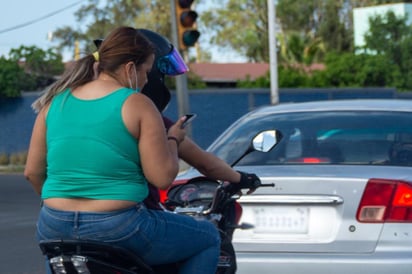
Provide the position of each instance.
(122, 45)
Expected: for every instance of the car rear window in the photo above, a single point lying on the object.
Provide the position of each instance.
(324, 137)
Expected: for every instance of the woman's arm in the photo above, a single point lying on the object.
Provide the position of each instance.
(35, 170)
(158, 154)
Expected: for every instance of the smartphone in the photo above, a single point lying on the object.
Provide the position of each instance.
(189, 119)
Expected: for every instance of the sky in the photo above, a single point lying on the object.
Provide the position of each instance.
(30, 23)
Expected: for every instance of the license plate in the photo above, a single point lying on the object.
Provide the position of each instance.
(286, 220)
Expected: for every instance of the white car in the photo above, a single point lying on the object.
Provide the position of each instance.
(342, 201)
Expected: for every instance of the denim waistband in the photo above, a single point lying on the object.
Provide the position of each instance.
(68, 215)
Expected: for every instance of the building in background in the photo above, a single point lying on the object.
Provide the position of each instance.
(228, 74)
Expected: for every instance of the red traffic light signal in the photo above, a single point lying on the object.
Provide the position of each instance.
(186, 24)
(188, 18)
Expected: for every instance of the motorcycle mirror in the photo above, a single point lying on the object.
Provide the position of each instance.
(264, 141)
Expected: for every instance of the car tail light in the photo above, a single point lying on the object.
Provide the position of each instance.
(309, 160)
(386, 201)
(314, 160)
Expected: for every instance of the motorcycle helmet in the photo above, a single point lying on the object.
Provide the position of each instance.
(168, 61)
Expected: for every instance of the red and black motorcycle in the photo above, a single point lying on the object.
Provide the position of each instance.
(199, 197)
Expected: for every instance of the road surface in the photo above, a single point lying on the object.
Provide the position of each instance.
(19, 206)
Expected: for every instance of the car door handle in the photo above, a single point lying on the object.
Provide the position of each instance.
(291, 199)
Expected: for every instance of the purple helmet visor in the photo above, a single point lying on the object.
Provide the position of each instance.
(172, 64)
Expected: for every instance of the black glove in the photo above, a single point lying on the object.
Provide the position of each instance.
(247, 181)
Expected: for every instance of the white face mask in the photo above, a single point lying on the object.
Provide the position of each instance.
(137, 89)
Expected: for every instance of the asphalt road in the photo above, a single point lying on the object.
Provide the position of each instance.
(19, 206)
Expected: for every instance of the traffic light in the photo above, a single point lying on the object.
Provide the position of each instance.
(186, 24)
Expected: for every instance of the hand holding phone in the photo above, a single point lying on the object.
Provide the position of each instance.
(189, 119)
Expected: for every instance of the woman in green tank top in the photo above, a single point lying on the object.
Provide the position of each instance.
(96, 142)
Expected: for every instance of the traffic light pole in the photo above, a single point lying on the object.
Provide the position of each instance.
(181, 80)
(274, 89)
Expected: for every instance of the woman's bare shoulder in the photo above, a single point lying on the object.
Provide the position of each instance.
(139, 100)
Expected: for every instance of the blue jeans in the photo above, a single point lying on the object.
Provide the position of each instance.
(158, 237)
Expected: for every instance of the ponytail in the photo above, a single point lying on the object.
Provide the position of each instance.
(122, 45)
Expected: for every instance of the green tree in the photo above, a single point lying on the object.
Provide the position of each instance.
(297, 49)
(334, 30)
(406, 65)
(38, 61)
(11, 78)
(356, 70)
(386, 33)
(324, 22)
(297, 16)
(290, 77)
(390, 36)
(102, 18)
(240, 25)
(40, 65)
(260, 82)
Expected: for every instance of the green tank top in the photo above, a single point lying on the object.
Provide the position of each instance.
(90, 152)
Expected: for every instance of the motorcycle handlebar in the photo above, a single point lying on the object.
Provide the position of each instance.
(236, 187)
(270, 185)
(226, 191)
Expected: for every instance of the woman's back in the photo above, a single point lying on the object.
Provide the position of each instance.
(91, 153)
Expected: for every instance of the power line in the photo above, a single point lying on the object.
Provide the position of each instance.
(40, 18)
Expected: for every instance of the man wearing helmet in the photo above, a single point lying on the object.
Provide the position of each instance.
(169, 62)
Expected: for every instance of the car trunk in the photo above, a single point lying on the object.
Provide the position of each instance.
(312, 208)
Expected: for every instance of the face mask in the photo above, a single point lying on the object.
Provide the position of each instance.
(137, 89)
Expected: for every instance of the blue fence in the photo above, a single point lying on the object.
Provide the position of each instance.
(216, 109)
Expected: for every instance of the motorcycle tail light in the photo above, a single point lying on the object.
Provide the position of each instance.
(163, 193)
(386, 201)
(238, 212)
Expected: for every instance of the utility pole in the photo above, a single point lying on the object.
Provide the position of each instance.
(274, 89)
(181, 80)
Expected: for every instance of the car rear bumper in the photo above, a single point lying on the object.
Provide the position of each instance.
(298, 263)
